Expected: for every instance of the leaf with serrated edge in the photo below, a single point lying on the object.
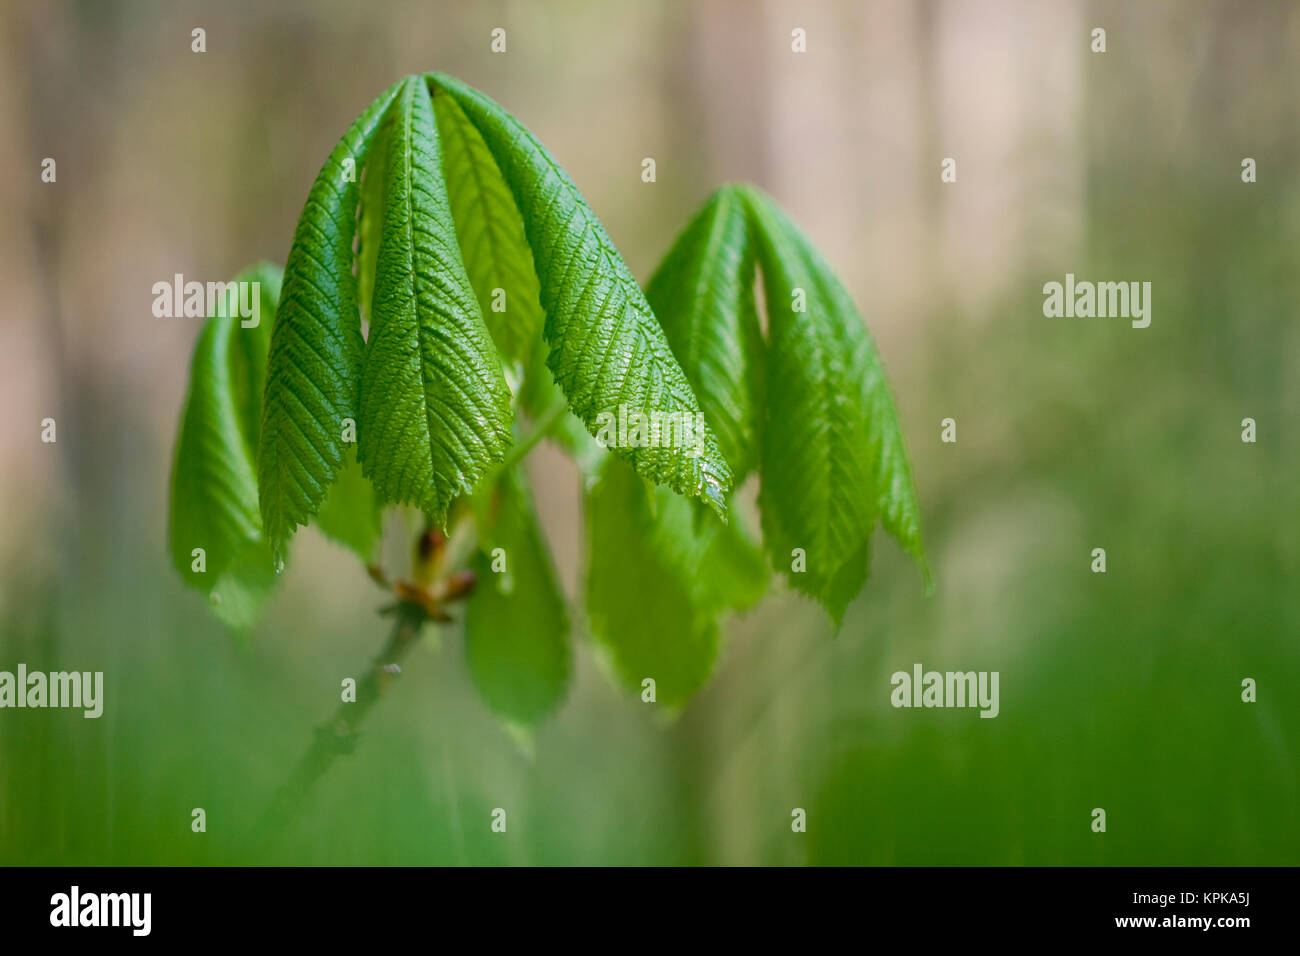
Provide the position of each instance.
(434, 408)
(370, 213)
(316, 345)
(607, 349)
(703, 294)
(832, 460)
(213, 502)
(490, 232)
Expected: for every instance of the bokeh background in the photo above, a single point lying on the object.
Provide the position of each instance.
(1119, 691)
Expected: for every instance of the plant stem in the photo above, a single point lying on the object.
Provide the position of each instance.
(338, 735)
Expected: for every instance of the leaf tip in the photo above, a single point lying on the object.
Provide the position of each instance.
(714, 495)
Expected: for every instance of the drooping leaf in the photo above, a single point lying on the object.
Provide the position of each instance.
(657, 579)
(370, 212)
(316, 346)
(516, 621)
(248, 345)
(703, 294)
(606, 348)
(900, 511)
(832, 458)
(434, 409)
(490, 232)
(213, 503)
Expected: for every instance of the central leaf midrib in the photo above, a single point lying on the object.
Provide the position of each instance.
(780, 248)
(408, 173)
(718, 228)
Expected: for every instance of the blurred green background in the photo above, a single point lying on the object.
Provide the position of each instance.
(1119, 691)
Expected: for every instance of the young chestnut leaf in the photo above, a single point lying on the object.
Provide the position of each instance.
(434, 408)
(832, 460)
(314, 368)
(490, 232)
(213, 495)
(499, 262)
(606, 348)
(811, 405)
(441, 228)
(703, 295)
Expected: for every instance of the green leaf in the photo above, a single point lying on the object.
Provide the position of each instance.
(213, 503)
(248, 349)
(490, 232)
(703, 294)
(657, 579)
(832, 460)
(370, 212)
(516, 622)
(434, 409)
(316, 345)
(607, 349)
(350, 513)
